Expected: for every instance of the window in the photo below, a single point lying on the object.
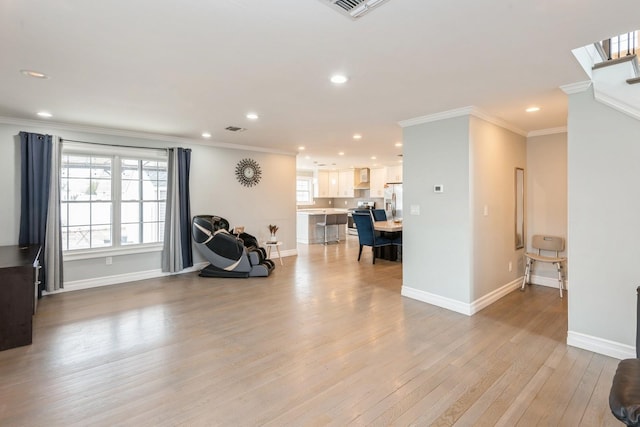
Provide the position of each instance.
(112, 197)
(304, 190)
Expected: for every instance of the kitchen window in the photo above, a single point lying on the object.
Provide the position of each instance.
(112, 198)
(304, 190)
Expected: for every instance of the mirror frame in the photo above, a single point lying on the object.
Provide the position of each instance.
(519, 236)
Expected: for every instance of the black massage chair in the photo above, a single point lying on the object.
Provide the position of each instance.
(229, 255)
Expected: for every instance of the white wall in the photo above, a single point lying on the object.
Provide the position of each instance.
(604, 218)
(495, 153)
(214, 190)
(437, 242)
(546, 193)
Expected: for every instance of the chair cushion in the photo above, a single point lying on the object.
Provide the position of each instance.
(624, 397)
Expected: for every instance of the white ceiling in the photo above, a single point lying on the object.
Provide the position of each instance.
(179, 68)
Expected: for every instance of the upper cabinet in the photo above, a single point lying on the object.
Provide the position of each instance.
(394, 173)
(377, 179)
(322, 187)
(335, 183)
(346, 182)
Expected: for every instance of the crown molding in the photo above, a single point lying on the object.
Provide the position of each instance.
(459, 112)
(578, 87)
(449, 114)
(135, 134)
(550, 131)
(617, 104)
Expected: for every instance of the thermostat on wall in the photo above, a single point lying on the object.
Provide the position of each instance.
(438, 188)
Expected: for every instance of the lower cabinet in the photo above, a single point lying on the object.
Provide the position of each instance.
(19, 271)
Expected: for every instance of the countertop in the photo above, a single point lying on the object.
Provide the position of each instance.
(322, 211)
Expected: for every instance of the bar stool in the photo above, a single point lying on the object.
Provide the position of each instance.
(341, 219)
(329, 220)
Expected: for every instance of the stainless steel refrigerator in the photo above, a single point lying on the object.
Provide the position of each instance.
(393, 200)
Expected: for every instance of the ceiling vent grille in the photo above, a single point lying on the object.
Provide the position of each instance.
(234, 129)
(353, 9)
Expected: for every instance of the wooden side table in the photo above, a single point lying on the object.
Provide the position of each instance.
(276, 245)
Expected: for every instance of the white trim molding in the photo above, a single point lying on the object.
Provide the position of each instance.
(468, 309)
(116, 279)
(601, 345)
(577, 87)
(551, 282)
(460, 112)
(616, 104)
(550, 131)
(135, 134)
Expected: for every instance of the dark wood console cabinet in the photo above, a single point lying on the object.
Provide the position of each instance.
(19, 271)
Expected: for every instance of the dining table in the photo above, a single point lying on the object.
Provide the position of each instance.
(391, 252)
(390, 226)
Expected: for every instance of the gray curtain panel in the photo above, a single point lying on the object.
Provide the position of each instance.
(40, 202)
(177, 253)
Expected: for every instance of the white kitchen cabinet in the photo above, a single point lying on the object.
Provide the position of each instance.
(334, 184)
(346, 183)
(322, 185)
(394, 173)
(377, 179)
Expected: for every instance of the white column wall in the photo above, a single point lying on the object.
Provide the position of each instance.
(603, 218)
(437, 241)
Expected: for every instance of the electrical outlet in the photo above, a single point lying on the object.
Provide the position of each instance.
(109, 260)
(510, 266)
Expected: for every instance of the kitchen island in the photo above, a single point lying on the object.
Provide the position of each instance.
(308, 232)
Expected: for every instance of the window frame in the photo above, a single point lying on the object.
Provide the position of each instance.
(116, 153)
(309, 179)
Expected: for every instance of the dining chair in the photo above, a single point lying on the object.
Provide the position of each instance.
(367, 236)
(379, 215)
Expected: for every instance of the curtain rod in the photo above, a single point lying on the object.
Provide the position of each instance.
(115, 145)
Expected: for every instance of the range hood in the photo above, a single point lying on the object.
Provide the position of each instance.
(362, 179)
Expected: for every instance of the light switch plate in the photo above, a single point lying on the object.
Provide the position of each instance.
(415, 210)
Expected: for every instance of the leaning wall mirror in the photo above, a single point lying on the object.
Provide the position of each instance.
(519, 193)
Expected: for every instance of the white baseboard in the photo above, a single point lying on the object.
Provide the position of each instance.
(437, 300)
(494, 296)
(95, 282)
(288, 252)
(601, 345)
(468, 309)
(551, 282)
(115, 279)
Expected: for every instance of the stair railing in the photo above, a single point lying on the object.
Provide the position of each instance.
(618, 46)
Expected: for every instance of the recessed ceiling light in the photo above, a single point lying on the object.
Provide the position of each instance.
(34, 74)
(532, 109)
(341, 153)
(206, 135)
(398, 144)
(301, 148)
(252, 116)
(373, 157)
(357, 136)
(45, 114)
(339, 79)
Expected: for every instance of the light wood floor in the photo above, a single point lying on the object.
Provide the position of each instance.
(323, 340)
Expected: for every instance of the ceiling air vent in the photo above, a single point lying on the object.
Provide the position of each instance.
(234, 129)
(353, 8)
